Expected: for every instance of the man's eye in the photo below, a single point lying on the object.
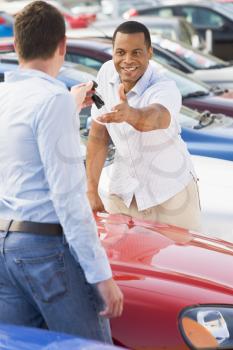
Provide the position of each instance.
(120, 53)
(137, 53)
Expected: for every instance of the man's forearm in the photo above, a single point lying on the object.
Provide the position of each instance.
(149, 118)
(97, 148)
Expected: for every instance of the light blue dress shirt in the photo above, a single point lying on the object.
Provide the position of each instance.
(42, 176)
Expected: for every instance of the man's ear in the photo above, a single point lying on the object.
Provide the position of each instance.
(62, 47)
(15, 46)
(150, 52)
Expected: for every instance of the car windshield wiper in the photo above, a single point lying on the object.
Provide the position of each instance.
(196, 94)
(206, 119)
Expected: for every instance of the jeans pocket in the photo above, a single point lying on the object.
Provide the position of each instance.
(45, 276)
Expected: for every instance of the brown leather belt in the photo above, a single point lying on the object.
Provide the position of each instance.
(30, 227)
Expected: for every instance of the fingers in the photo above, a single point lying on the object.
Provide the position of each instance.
(113, 310)
(112, 297)
(89, 85)
(108, 118)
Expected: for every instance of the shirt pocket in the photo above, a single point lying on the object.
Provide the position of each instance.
(45, 276)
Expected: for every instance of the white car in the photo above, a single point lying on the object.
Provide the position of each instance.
(204, 67)
(216, 194)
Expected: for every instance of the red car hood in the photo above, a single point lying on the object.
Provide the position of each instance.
(150, 249)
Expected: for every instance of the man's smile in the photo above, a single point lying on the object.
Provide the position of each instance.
(129, 69)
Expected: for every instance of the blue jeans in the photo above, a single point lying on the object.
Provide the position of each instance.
(42, 285)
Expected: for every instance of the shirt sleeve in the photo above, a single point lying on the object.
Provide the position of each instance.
(57, 133)
(167, 94)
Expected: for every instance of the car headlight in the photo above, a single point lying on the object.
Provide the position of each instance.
(207, 327)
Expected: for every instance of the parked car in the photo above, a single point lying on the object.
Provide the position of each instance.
(72, 20)
(178, 292)
(94, 52)
(24, 338)
(176, 28)
(120, 6)
(203, 15)
(195, 63)
(6, 24)
(205, 134)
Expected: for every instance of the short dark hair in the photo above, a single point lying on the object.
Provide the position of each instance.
(131, 27)
(38, 29)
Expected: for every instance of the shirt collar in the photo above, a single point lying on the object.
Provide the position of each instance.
(142, 83)
(22, 74)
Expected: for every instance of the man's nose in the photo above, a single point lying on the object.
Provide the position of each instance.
(128, 58)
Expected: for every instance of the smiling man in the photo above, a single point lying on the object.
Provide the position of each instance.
(153, 177)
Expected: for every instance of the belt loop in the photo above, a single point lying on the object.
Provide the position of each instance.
(5, 235)
(8, 226)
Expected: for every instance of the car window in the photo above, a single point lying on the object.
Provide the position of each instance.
(84, 60)
(1, 77)
(201, 17)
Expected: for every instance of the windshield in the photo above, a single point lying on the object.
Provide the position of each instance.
(195, 59)
(186, 85)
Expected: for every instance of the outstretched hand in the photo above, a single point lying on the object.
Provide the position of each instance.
(120, 113)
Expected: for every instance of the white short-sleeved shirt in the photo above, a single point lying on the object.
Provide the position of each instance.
(155, 165)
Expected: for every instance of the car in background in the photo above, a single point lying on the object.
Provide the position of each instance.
(93, 52)
(6, 24)
(205, 133)
(72, 20)
(175, 28)
(14, 337)
(196, 94)
(79, 7)
(117, 8)
(203, 15)
(195, 63)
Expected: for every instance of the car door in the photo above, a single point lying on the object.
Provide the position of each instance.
(203, 18)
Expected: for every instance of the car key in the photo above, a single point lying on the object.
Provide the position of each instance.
(96, 97)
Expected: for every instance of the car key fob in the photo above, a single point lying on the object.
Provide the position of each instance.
(96, 97)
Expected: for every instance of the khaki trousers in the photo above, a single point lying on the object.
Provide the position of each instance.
(181, 210)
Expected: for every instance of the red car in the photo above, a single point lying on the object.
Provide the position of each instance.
(178, 285)
(72, 20)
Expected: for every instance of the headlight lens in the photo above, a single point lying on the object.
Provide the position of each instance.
(208, 327)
